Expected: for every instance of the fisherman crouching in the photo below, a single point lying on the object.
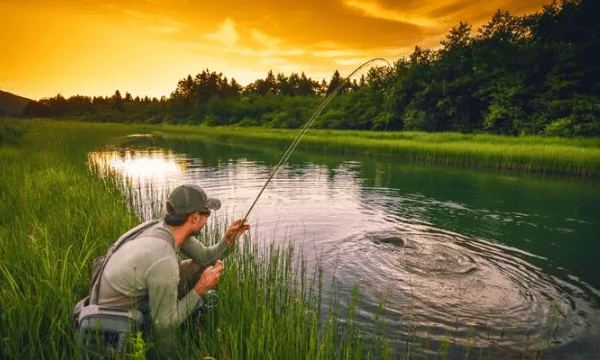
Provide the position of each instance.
(143, 272)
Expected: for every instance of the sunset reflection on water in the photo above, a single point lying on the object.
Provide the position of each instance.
(153, 172)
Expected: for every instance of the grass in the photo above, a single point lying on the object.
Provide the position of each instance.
(56, 216)
(565, 157)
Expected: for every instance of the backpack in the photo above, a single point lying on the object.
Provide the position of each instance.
(104, 329)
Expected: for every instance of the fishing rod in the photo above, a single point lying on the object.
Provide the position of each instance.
(304, 130)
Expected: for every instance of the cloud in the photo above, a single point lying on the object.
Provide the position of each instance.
(167, 2)
(264, 39)
(227, 33)
(351, 61)
(155, 23)
(373, 9)
(335, 53)
(275, 52)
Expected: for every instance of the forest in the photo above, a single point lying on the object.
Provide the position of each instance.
(534, 74)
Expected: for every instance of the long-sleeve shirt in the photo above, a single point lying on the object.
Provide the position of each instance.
(144, 273)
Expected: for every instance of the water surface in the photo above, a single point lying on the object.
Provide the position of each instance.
(506, 262)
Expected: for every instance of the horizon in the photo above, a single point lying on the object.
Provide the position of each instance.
(144, 47)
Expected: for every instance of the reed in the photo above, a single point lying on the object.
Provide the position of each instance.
(270, 308)
(55, 217)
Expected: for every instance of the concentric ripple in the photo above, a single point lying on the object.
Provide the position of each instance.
(447, 284)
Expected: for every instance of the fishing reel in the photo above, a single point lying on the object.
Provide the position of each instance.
(211, 298)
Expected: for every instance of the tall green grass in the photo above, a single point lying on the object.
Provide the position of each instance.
(565, 157)
(56, 216)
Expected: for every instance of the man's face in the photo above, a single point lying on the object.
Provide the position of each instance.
(198, 222)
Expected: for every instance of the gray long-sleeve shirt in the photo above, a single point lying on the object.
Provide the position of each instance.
(144, 273)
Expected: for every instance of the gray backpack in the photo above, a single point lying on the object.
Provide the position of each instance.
(104, 329)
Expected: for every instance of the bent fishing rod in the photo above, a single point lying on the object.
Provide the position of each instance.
(303, 131)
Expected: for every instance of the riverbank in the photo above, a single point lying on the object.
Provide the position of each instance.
(547, 156)
(538, 155)
(56, 216)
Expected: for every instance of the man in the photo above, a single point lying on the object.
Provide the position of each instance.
(146, 272)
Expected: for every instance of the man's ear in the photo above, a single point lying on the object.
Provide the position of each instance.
(195, 218)
(191, 219)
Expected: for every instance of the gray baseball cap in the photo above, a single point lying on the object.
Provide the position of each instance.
(186, 199)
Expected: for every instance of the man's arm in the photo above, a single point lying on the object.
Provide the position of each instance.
(204, 255)
(165, 309)
(208, 255)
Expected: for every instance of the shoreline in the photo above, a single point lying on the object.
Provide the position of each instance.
(535, 155)
(552, 157)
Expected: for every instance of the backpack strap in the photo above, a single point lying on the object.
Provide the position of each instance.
(129, 235)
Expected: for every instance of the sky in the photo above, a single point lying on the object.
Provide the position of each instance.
(144, 47)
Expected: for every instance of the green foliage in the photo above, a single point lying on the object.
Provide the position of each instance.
(559, 127)
(444, 345)
(505, 113)
(137, 345)
(333, 119)
(50, 211)
(414, 119)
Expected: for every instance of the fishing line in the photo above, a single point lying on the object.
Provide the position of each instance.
(304, 130)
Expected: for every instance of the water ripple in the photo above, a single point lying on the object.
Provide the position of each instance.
(449, 283)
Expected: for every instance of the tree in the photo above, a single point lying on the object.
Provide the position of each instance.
(117, 101)
(307, 87)
(458, 39)
(337, 82)
(185, 89)
(421, 57)
(503, 28)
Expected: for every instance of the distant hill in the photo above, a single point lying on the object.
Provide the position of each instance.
(12, 104)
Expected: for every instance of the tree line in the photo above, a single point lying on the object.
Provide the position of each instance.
(529, 74)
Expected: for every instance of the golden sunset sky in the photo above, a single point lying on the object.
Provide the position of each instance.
(94, 47)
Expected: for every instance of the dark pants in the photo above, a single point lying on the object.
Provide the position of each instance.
(189, 273)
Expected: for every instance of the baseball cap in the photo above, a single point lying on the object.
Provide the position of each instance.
(186, 199)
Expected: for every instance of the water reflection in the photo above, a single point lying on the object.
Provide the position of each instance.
(451, 253)
(153, 172)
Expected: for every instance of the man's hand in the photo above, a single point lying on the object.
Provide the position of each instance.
(209, 278)
(235, 230)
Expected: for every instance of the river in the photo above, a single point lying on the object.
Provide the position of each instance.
(506, 263)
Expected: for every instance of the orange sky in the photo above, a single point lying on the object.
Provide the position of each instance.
(94, 47)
